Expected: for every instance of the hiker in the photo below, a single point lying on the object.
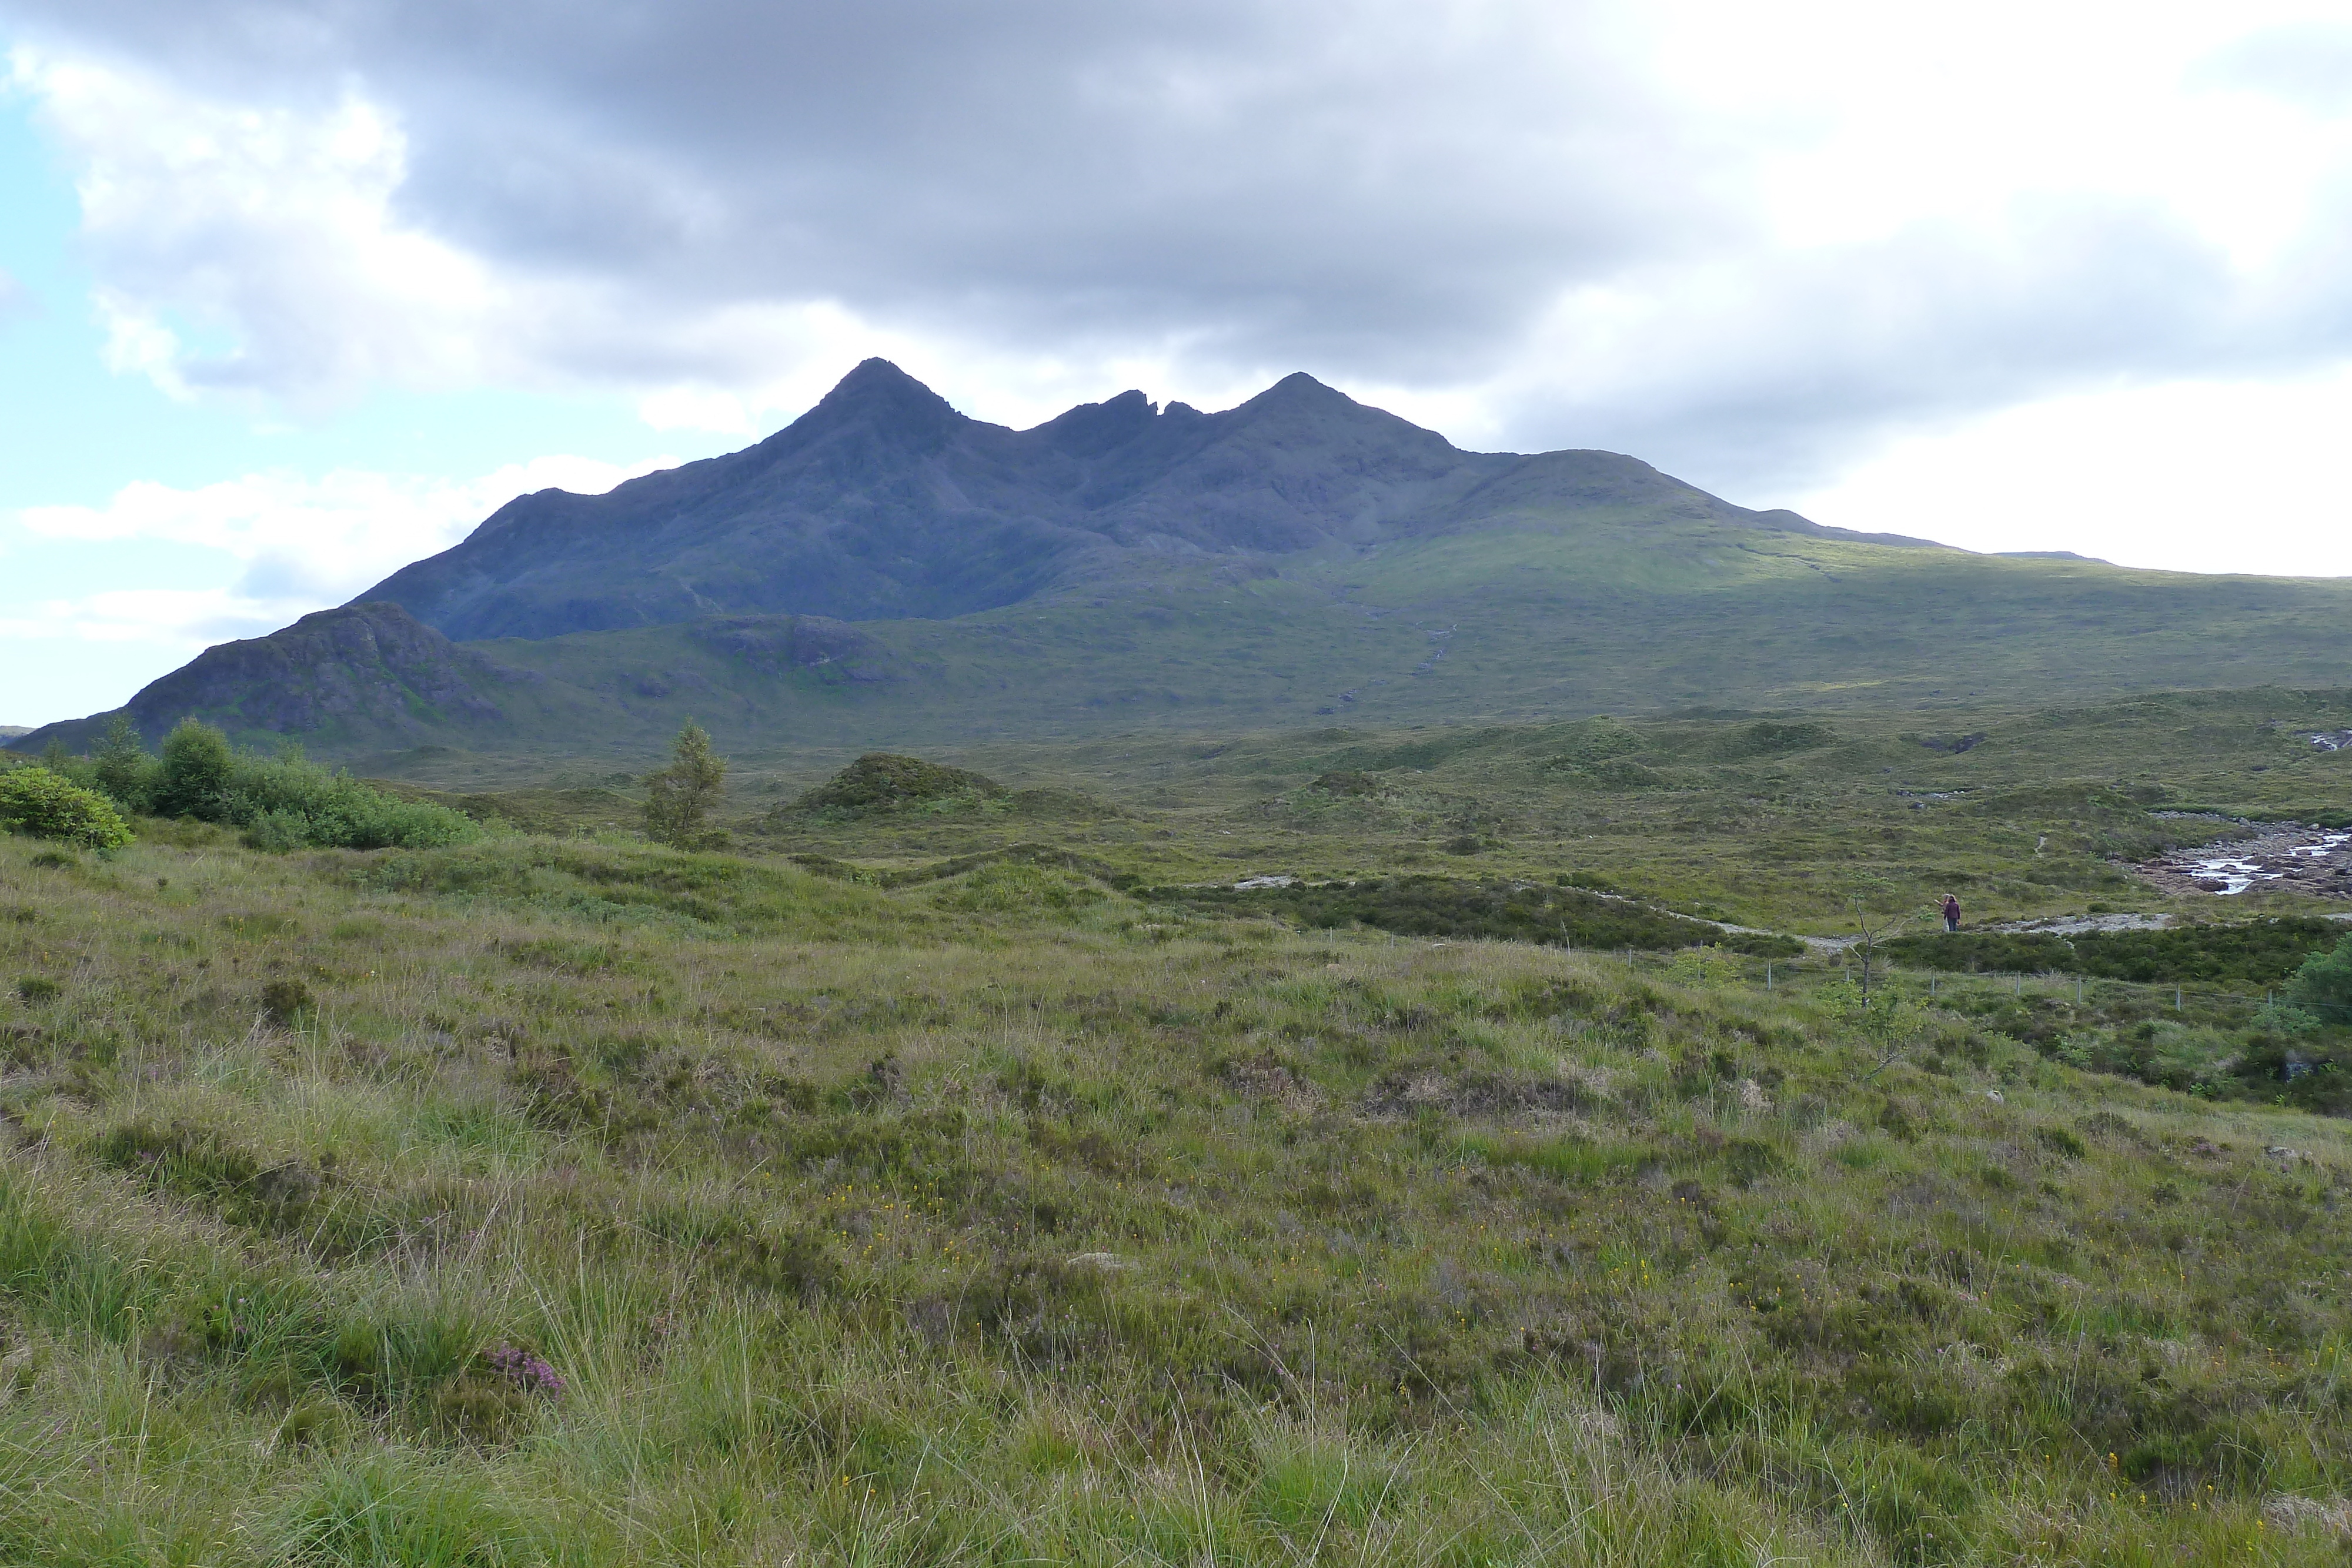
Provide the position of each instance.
(1951, 913)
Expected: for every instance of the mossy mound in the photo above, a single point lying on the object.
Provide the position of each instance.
(881, 781)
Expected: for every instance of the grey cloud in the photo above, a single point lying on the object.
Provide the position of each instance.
(1380, 193)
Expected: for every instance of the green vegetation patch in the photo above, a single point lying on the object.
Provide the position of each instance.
(282, 802)
(713, 892)
(881, 781)
(2257, 953)
(1560, 915)
(46, 805)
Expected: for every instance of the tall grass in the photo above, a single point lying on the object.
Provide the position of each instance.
(869, 1227)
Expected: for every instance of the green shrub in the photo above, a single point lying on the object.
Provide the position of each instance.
(881, 781)
(39, 802)
(198, 763)
(284, 802)
(120, 766)
(2323, 985)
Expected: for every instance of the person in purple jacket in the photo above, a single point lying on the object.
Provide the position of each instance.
(1951, 912)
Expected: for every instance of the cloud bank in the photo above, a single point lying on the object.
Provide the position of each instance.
(1746, 243)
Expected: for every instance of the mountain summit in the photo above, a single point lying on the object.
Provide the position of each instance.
(884, 503)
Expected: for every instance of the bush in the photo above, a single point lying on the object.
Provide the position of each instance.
(120, 766)
(288, 803)
(194, 781)
(39, 802)
(2323, 985)
(285, 802)
(881, 781)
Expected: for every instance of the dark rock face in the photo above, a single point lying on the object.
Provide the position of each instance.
(364, 667)
(884, 503)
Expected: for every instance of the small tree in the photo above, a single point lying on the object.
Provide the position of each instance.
(123, 770)
(681, 797)
(199, 766)
(1861, 998)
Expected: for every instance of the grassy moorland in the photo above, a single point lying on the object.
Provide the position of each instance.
(1768, 821)
(962, 1171)
(569, 1200)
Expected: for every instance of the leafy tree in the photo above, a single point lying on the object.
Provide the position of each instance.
(123, 770)
(48, 805)
(680, 798)
(2323, 987)
(198, 768)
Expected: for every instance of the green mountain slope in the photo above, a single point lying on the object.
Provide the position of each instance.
(1586, 615)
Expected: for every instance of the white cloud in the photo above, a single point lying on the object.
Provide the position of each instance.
(2191, 476)
(272, 228)
(287, 545)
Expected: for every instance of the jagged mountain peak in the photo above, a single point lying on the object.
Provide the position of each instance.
(883, 502)
(879, 394)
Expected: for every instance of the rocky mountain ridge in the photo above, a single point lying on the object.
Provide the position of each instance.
(883, 503)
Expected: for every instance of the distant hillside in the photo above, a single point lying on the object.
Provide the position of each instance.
(11, 731)
(886, 574)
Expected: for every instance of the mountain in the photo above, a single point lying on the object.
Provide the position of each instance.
(886, 573)
(883, 503)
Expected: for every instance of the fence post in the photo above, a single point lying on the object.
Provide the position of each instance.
(1767, 974)
(2176, 999)
(2078, 990)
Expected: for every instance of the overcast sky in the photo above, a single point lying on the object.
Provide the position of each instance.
(294, 291)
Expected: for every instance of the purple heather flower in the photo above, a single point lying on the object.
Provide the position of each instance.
(525, 1370)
